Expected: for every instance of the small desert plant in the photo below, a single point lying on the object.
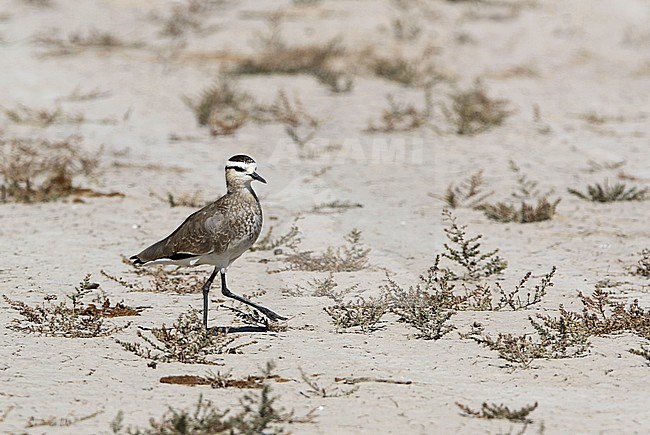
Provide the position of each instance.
(299, 125)
(513, 300)
(331, 391)
(350, 258)
(22, 114)
(427, 306)
(39, 3)
(186, 342)
(78, 95)
(468, 193)
(62, 320)
(396, 69)
(275, 56)
(59, 421)
(193, 200)
(436, 288)
(401, 117)
(643, 265)
(40, 170)
(602, 316)
(643, 352)
(494, 411)
(78, 42)
(290, 239)
(281, 59)
(219, 380)
(335, 206)
(518, 208)
(257, 414)
(607, 193)
(429, 320)
(337, 82)
(362, 313)
(465, 251)
(417, 71)
(161, 281)
(326, 286)
(185, 17)
(524, 213)
(222, 107)
(473, 111)
(556, 341)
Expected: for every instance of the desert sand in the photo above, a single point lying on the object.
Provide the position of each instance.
(576, 77)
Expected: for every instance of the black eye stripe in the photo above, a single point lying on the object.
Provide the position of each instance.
(236, 168)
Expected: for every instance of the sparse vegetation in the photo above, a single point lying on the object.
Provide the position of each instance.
(427, 306)
(278, 58)
(41, 170)
(54, 421)
(396, 69)
(219, 380)
(473, 111)
(519, 209)
(602, 316)
(525, 213)
(436, 289)
(193, 200)
(291, 240)
(350, 258)
(465, 251)
(643, 265)
(77, 95)
(256, 414)
(416, 310)
(513, 300)
(186, 342)
(362, 313)
(22, 114)
(337, 82)
(468, 193)
(80, 320)
(555, 341)
(643, 352)
(402, 117)
(567, 336)
(326, 286)
(335, 206)
(188, 16)
(78, 42)
(417, 72)
(606, 193)
(181, 281)
(494, 411)
(275, 56)
(222, 107)
(331, 391)
(299, 125)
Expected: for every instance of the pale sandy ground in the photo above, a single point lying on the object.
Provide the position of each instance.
(587, 56)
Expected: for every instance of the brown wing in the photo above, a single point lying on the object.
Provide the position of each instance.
(203, 232)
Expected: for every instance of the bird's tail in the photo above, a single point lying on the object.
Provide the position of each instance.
(136, 261)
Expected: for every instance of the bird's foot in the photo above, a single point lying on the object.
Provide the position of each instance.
(271, 315)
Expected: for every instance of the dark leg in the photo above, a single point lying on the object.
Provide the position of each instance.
(268, 313)
(206, 290)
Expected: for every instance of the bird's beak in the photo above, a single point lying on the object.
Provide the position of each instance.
(258, 177)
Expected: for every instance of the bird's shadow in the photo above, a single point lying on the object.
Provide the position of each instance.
(221, 330)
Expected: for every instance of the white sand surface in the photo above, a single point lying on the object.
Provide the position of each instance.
(579, 57)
